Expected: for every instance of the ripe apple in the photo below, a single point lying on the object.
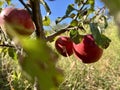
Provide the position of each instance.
(20, 19)
(88, 51)
(64, 46)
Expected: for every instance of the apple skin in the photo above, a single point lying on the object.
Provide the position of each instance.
(87, 50)
(64, 46)
(19, 18)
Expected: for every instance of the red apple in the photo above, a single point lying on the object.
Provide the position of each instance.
(88, 51)
(20, 19)
(64, 46)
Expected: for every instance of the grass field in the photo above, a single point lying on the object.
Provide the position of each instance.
(102, 75)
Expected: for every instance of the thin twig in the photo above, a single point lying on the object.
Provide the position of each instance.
(26, 6)
(5, 45)
(81, 9)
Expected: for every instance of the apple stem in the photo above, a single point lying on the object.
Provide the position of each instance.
(37, 18)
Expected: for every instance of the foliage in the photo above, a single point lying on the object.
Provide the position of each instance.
(33, 54)
(36, 64)
(81, 18)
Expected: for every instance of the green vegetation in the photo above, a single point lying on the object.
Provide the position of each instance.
(103, 74)
(40, 67)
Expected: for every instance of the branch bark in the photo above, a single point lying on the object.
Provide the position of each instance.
(51, 37)
(37, 18)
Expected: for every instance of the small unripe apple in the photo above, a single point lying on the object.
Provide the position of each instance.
(88, 51)
(20, 20)
(64, 46)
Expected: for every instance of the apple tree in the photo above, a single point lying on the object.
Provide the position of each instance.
(23, 37)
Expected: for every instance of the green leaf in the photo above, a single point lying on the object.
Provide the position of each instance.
(4, 1)
(75, 36)
(91, 2)
(70, 8)
(46, 21)
(74, 23)
(100, 39)
(91, 10)
(8, 2)
(40, 61)
(105, 41)
(12, 53)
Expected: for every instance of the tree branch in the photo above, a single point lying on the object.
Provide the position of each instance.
(37, 18)
(26, 6)
(52, 36)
